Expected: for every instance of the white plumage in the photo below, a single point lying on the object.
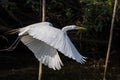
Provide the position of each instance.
(44, 40)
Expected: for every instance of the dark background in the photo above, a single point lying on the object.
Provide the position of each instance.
(95, 15)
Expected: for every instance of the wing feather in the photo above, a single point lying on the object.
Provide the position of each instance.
(57, 39)
(43, 52)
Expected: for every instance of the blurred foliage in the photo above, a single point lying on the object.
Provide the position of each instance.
(95, 15)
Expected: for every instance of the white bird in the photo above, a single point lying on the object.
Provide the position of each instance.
(44, 40)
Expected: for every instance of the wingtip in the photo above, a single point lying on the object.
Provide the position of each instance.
(83, 60)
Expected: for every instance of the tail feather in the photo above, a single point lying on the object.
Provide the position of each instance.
(13, 31)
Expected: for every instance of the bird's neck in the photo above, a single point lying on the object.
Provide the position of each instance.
(65, 29)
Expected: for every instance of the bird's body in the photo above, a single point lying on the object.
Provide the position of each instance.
(44, 40)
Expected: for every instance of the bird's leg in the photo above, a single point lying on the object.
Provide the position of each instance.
(13, 46)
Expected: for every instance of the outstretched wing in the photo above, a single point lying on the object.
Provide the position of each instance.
(43, 52)
(57, 39)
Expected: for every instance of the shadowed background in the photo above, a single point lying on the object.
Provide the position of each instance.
(95, 15)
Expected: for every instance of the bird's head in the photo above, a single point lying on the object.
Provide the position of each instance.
(73, 27)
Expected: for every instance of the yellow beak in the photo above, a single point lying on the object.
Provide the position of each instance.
(80, 28)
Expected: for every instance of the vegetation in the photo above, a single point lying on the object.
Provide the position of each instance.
(95, 15)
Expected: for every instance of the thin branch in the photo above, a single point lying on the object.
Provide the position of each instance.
(43, 19)
(110, 39)
(43, 10)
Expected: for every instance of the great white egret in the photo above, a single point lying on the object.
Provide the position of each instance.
(44, 40)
